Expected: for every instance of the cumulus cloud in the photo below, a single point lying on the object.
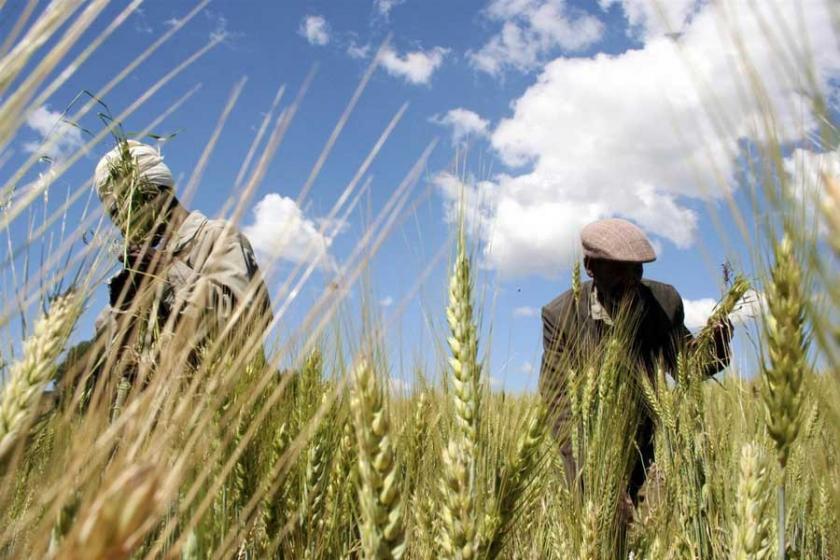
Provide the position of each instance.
(384, 7)
(415, 67)
(315, 29)
(648, 18)
(698, 311)
(531, 29)
(387, 301)
(51, 128)
(806, 169)
(635, 135)
(526, 311)
(464, 123)
(357, 51)
(281, 231)
(751, 307)
(219, 27)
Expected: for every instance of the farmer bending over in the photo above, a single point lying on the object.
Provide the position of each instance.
(614, 252)
(186, 278)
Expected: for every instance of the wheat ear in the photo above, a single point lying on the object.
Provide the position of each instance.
(704, 341)
(460, 537)
(787, 349)
(751, 529)
(28, 376)
(379, 488)
(576, 281)
(589, 547)
(514, 493)
(463, 342)
(115, 523)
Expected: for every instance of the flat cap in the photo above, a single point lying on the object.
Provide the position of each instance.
(615, 239)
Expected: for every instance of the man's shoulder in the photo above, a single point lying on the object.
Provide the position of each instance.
(564, 303)
(666, 296)
(219, 228)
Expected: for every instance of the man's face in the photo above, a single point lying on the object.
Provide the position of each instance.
(141, 219)
(614, 278)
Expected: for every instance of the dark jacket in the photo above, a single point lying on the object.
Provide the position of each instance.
(660, 334)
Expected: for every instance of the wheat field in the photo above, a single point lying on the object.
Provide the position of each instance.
(225, 452)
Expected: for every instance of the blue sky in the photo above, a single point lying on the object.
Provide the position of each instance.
(556, 112)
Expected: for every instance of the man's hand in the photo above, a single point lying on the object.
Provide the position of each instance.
(723, 330)
(145, 260)
(141, 265)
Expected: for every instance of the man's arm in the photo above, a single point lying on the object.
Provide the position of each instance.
(225, 277)
(711, 346)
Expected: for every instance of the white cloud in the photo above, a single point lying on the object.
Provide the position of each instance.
(752, 305)
(526, 311)
(387, 301)
(51, 127)
(531, 29)
(464, 123)
(805, 170)
(526, 368)
(219, 32)
(315, 29)
(400, 386)
(281, 231)
(358, 51)
(651, 18)
(414, 67)
(141, 22)
(698, 311)
(636, 135)
(384, 7)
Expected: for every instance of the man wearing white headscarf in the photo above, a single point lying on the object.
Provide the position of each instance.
(198, 277)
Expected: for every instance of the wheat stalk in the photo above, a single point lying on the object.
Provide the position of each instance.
(787, 349)
(589, 545)
(342, 475)
(519, 476)
(314, 491)
(831, 209)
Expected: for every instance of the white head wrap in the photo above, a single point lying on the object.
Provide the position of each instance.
(149, 165)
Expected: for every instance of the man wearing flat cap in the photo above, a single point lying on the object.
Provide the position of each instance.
(615, 251)
(184, 276)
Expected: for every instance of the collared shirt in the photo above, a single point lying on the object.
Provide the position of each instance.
(597, 311)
